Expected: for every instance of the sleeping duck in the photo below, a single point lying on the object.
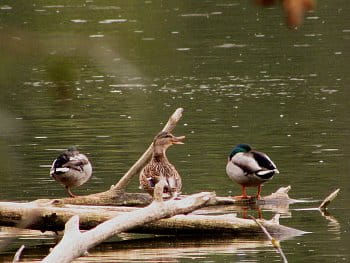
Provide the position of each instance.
(249, 168)
(71, 169)
(160, 167)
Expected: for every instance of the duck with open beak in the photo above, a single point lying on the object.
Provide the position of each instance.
(159, 167)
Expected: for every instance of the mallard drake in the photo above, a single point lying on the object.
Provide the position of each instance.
(71, 169)
(160, 167)
(249, 168)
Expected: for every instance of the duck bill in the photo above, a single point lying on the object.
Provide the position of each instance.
(178, 140)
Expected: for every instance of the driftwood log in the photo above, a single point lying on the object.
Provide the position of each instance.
(52, 216)
(76, 243)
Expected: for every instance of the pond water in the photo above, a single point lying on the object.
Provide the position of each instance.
(106, 75)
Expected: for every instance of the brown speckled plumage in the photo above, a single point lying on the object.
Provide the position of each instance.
(159, 166)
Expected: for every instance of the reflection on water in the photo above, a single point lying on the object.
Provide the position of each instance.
(106, 75)
(180, 250)
(156, 249)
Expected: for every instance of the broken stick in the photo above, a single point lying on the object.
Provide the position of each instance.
(75, 243)
(328, 199)
(274, 242)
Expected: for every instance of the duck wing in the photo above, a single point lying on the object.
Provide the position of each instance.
(255, 162)
(149, 176)
(268, 168)
(263, 160)
(246, 162)
(76, 163)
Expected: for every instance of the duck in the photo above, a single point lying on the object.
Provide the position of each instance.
(71, 169)
(249, 168)
(159, 167)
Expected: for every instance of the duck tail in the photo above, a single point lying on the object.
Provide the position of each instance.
(266, 174)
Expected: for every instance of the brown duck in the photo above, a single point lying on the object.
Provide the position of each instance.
(160, 167)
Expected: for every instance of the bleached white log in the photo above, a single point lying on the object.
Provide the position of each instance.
(75, 243)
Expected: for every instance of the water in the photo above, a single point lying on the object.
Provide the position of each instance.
(106, 75)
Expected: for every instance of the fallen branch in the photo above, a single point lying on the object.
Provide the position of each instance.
(75, 243)
(324, 212)
(227, 224)
(18, 254)
(276, 244)
(328, 200)
(28, 217)
(323, 209)
(53, 216)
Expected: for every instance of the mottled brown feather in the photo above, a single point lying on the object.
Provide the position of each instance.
(159, 166)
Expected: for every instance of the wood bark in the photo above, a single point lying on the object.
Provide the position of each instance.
(75, 243)
(52, 216)
(17, 256)
(328, 200)
(275, 242)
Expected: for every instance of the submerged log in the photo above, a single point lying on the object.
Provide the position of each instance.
(275, 242)
(17, 256)
(52, 216)
(227, 224)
